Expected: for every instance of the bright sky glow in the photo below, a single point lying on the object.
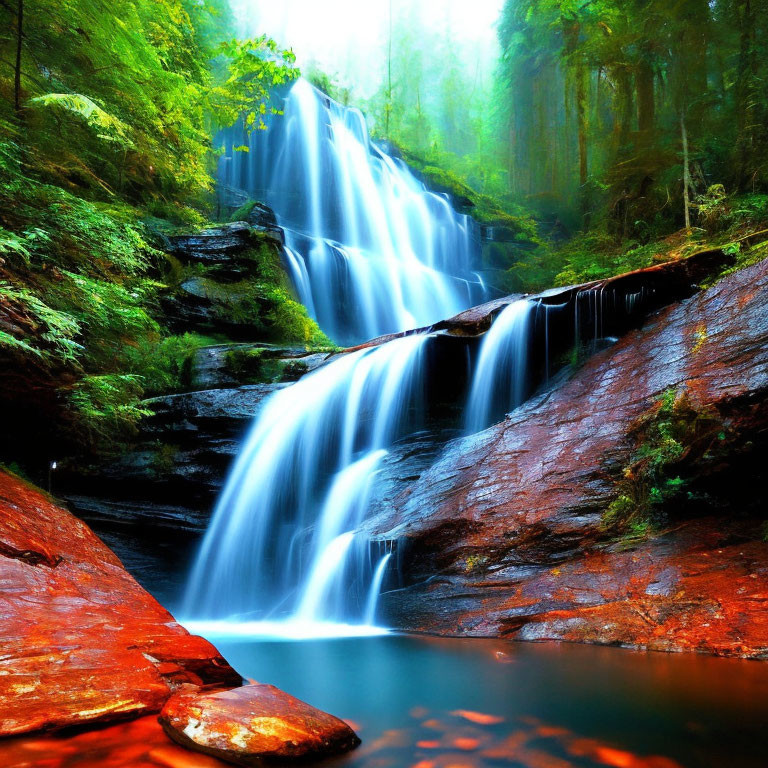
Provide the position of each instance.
(347, 38)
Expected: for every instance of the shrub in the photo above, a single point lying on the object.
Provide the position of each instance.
(669, 438)
(108, 407)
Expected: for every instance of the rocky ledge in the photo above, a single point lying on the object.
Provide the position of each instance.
(506, 533)
(84, 644)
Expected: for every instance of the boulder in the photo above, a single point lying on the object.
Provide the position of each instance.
(82, 641)
(263, 219)
(84, 644)
(217, 245)
(254, 723)
(217, 366)
(504, 534)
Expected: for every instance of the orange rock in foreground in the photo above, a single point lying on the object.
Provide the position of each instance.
(82, 642)
(248, 724)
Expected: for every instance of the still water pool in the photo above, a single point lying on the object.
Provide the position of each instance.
(421, 702)
(436, 703)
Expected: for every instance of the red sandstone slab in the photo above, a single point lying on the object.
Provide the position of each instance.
(80, 640)
(512, 517)
(256, 722)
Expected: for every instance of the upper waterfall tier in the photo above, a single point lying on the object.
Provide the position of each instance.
(369, 249)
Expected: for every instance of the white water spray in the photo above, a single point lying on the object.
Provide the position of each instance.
(501, 375)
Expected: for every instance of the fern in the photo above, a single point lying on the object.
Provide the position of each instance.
(107, 127)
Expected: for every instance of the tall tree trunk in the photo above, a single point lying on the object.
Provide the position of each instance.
(581, 115)
(745, 87)
(646, 105)
(623, 113)
(686, 173)
(17, 71)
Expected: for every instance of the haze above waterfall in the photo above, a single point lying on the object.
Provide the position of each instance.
(348, 39)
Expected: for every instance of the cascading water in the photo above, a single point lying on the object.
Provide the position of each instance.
(369, 249)
(501, 377)
(282, 545)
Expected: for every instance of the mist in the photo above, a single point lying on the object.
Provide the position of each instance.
(348, 40)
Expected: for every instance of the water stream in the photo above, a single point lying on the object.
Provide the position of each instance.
(369, 249)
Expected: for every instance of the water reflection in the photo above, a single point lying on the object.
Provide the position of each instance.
(427, 703)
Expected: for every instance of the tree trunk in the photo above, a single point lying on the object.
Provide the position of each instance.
(646, 106)
(17, 71)
(581, 114)
(745, 87)
(686, 173)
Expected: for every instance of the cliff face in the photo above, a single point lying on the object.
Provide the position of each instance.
(513, 519)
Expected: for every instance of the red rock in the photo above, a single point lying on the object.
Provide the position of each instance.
(247, 725)
(139, 743)
(82, 642)
(512, 517)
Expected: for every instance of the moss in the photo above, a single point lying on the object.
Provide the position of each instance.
(164, 459)
(474, 563)
(670, 438)
(484, 208)
(243, 212)
(246, 365)
(164, 365)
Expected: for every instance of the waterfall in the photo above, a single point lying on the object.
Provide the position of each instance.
(369, 252)
(500, 382)
(283, 542)
(369, 249)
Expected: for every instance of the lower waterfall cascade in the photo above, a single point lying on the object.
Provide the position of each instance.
(283, 540)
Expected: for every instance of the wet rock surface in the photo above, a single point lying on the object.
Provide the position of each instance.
(82, 641)
(84, 644)
(510, 518)
(225, 243)
(152, 504)
(254, 723)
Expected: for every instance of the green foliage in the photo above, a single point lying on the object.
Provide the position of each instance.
(104, 125)
(107, 148)
(108, 408)
(289, 321)
(120, 99)
(604, 105)
(253, 68)
(673, 435)
(164, 365)
(243, 212)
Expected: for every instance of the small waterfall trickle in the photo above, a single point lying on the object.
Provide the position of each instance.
(500, 381)
(369, 249)
(375, 589)
(283, 542)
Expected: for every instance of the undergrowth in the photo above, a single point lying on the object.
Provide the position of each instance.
(669, 438)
